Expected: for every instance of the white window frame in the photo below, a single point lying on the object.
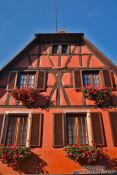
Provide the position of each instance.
(28, 125)
(88, 120)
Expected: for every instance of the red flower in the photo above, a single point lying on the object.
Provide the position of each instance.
(70, 153)
(3, 155)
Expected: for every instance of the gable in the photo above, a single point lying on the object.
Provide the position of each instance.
(84, 55)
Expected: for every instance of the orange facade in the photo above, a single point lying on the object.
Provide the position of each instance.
(58, 64)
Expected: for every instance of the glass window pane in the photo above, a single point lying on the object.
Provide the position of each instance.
(95, 80)
(91, 78)
(22, 131)
(22, 82)
(82, 130)
(11, 130)
(77, 129)
(71, 130)
(27, 80)
(86, 79)
(17, 129)
(64, 49)
(54, 49)
(31, 81)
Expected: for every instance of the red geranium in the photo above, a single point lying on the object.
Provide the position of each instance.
(13, 155)
(25, 95)
(98, 94)
(84, 154)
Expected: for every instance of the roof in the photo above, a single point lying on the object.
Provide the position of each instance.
(59, 33)
(100, 55)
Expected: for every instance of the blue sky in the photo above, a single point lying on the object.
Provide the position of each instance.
(21, 19)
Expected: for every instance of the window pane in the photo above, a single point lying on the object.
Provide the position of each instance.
(64, 49)
(26, 80)
(54, 49)
(86, 79)
(17, 129)
(95, 80)
(22, 82)
(22, 131)
(82, 130)
(71, 130)
(91, 78)
(31, 81)
(11, 130)
(77, 129)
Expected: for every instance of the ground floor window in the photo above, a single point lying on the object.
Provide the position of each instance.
(77, 129)
(16, 130)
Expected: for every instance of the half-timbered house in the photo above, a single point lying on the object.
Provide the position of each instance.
(60, 65)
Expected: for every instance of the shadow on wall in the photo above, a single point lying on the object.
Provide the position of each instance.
(114, 99)
(33, 165)
(107, 163)
(2, 92)
(44, 102)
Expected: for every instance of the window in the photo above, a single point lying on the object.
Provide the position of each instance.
(27, 80)
(54, 49)
(16, 131)
(64, 49)
(91, 78)
(77, 129)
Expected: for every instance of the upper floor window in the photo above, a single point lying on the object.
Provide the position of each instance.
(27, 80)
(91, 78)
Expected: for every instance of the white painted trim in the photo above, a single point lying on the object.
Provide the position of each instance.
(9, 79)
(28, 130)
(28, 125)
(16, 78)
(77, 111)
(88, 119)
(18, 112)
(90, 138)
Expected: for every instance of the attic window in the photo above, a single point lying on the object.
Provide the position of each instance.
(54, 49)
(64, 49)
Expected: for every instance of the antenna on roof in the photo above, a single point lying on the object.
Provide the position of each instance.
(56, 13)
(56, 16)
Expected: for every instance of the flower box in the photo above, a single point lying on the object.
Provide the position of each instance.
(84, 154)
(97, 94)
(26, 95)
(13, 155)
(90, 102)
